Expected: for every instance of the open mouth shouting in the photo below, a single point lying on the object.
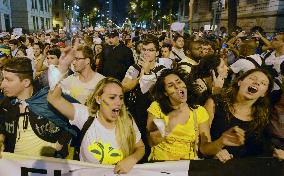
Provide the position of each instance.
(181, 94)
(252, 89)
(116, 112)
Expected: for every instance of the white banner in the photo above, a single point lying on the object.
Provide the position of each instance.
(19, 165)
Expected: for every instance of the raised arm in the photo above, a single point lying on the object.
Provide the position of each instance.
(58, 102)
(129, 84)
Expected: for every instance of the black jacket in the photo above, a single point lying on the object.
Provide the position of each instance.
(42, 127)
(116, 61)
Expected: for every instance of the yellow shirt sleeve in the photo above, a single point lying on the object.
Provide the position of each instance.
(201, 114)
(156, 111)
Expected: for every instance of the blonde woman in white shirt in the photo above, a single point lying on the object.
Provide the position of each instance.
(113, 136)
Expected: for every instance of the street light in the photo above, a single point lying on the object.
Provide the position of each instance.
(133, 6)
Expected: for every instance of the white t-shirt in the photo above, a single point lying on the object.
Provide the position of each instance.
(276, 62)
(78, 89)
(99, 144)
(147, 81)
(27, 142)
(245, 65)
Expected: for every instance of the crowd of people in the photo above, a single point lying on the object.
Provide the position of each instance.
(124, 97)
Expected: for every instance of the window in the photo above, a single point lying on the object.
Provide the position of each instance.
(36, 22)
(42, 23)
(56, 14)
(33, 4)
(45, 5)
(41, 5)
(46, 23)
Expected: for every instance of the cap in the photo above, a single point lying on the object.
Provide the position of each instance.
(113, 34)
(60, 44)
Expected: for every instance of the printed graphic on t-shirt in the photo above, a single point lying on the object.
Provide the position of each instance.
(76, 91)
(104, 153)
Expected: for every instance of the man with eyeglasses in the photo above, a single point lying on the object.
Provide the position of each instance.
(117, 58)
(83, 82)
(138, 79)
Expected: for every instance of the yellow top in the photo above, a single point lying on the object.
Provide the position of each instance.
(180, 143)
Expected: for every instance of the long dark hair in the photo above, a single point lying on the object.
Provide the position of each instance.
(203, 69)
(260, 109)
(158, 91)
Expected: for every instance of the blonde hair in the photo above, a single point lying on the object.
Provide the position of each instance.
(125, 134)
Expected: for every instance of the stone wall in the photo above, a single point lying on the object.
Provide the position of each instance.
(269, 14)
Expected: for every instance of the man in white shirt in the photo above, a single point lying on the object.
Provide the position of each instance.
(177, 53)
(84, 81)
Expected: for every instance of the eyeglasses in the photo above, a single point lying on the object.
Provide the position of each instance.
(78, 58)
(150, 50)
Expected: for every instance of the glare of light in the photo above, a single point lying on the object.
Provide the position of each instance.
(73, 29)
(95, 9)
(133, 6)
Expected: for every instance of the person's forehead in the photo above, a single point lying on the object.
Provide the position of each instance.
(51, 56)
(9, 74)
(149, 45)
(112, 88)
(171, 78)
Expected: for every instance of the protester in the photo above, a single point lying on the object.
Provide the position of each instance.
(117, 56)
(83, 82)
(138, 79)
(112, 136)
(175, 123)
(208, 77)
(22, 131)
(244, 105)
(177, 53)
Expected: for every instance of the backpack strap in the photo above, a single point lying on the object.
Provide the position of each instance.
(178, 58)
(253, 61)
(85, 128)
(185, 64)
(266, 55)
(137, 67)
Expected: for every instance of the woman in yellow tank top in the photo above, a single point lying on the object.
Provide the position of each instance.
(175, 124)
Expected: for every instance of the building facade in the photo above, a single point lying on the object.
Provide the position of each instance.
(31, 15)
(5, 15)
(59, 16)
(268, 14)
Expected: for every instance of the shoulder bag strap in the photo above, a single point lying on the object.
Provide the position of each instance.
(196, 132)
(85, 128)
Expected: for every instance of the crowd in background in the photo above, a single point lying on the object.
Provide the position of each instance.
(124, 97)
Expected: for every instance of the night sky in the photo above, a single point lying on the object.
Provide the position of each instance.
(120, 11)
